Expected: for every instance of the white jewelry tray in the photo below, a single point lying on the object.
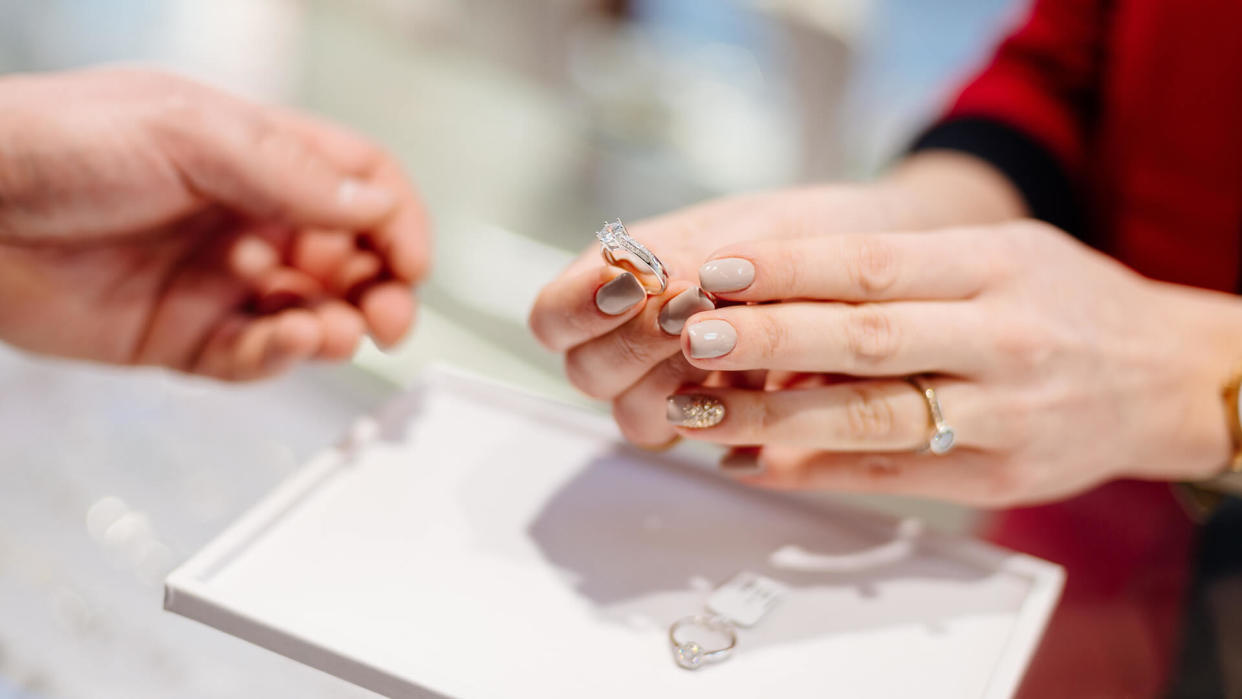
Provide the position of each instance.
(473, 541)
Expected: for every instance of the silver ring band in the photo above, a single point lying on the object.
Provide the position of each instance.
(941, 438)
(619, 248)
(690, 654)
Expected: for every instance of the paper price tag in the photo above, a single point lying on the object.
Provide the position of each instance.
(746, 598)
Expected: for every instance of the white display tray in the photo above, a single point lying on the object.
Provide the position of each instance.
(473, 541)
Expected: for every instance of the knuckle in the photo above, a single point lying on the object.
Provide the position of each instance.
(676, 370)
(1030, 237)
(774, 334)
(270, 207)
(632, 350)
(1035, 229)
(873, 268)
(879, 468)
(580, 375)
(179, 107)
(870, 335)
(783, 270)
(278, 145)
(1024, 345)
(1001, 262)
(767, 416)
(180, 121)
(598, 370)
(568, 327)
(869, 417)
(183, 113)
(181, 97)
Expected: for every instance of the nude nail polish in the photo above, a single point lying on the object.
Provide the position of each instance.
(356, 194)
(711, 338)
(674, 314)
(620, 295)
(695, 411)
(726, 274)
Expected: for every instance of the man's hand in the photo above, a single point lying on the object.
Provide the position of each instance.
(146, 219)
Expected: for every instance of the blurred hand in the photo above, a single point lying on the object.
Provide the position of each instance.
(146, 219)
(624, 347)
(1057, 367)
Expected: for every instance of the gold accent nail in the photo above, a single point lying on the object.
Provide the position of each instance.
(695, 411)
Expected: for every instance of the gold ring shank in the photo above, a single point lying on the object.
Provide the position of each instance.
(941, 438)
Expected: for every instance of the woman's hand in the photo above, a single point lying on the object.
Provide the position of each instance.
(1057, 367)
(622, 346)
(146, 219)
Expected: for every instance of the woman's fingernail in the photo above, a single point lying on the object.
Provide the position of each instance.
(726, 274)
(695, 411)
(741, 463)
(253, 255)
(620, 295)
(674, 314)
(711, 338)
(362, 196)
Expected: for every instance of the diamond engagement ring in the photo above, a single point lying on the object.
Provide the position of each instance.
(620, 249)
(942, 438)
(691, 654)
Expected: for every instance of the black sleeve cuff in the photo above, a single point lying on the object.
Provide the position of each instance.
(1033, 169)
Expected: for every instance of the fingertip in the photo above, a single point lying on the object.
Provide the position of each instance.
(727, 275)
(568, 310)
(358, 269)
(282, 288)
(682, 302)
(343, 328)
(388, 309)
(320, 252)
(408, 252)
(706, 341)
(404, 237)
(247, 351)
(298, 335)
(620, 295)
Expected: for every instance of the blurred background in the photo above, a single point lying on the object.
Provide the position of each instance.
(525, 123)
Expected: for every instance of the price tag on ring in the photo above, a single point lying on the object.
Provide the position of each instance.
(746, 598)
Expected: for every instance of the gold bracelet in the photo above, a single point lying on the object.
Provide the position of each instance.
(1232, 415)
(1201, 499)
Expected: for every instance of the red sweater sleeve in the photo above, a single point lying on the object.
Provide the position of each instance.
(1044, 79)
(1028, 112)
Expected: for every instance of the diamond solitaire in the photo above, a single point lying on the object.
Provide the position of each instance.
(689, 655)
(620, 249)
